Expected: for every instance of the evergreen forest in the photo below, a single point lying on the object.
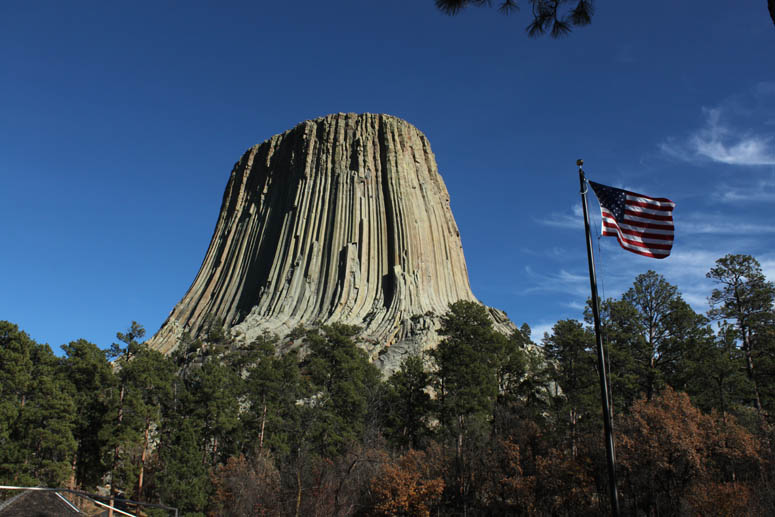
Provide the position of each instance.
(484, 424)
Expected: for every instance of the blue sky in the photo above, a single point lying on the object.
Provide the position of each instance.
(119, 126)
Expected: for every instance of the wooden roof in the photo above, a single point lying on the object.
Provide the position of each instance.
(36, 503)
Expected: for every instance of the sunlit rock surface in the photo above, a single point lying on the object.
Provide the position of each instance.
(344, 218)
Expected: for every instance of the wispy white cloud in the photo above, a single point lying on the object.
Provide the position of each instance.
(736, 132)
(538, 330)
(687, 269)
(760, 191)
(720, 224)
(555, 252)
(687, 265)
(684, 268)
(720, 143)
(572, 218)
(704, 238)
(562, 281)
(575, 305)
(768, 266)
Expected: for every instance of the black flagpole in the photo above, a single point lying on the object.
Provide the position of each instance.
(607, 424)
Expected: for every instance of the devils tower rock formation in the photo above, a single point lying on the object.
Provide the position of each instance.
(341, 219)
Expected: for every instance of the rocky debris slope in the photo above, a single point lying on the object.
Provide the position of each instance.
(344, 218)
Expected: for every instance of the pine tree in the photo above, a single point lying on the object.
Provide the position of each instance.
(149, 378)
(273, 385)
(184, 480)
(715, 375)
(650, 334)
(622, 338)
(16, 381)
(88, 370)
(123, 429)
(664, 322)
(48, 420)
(524, 382)
(408, 405)
(569, 352)
(745, 299)
(345, 386)
(37, 412)
(215, 391)
(466, 366)
(466, 385)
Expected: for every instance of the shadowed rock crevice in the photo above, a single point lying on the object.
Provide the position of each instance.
(341, 219)
(388, 282)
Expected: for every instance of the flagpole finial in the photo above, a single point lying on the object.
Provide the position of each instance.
(579, 162)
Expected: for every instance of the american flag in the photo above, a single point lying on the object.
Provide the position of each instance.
(642, 224)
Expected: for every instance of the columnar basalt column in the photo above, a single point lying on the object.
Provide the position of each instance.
(344, 218)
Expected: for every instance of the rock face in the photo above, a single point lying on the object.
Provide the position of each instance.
(344, 218)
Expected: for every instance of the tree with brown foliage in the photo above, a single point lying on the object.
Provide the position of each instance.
(537, 478)
(246, 487)
(675, 459)
(407, 487)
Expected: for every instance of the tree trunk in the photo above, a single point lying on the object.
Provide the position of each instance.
(298, 490)
(116, 451)
(459, 444)
(747, 348)
(459, 462)
(609, 386)
(206, 442)
(573, 446)
(342, 479)
(73, 466)
(652, 375)
(263, 423)
(143, 457)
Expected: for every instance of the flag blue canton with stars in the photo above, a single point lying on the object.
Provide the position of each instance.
(612, 198)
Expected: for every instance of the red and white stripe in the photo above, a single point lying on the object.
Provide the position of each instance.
(647, 228)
